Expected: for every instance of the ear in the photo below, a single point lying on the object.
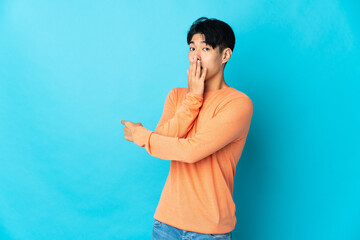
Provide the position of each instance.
(226, 54)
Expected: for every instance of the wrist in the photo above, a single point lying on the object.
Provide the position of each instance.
(197, 93)
(140, 136)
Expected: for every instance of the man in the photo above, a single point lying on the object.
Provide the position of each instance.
(202, 131)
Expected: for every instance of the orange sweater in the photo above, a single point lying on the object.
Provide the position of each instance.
(203, 136)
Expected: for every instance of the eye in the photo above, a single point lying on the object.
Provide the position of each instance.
(192, 49)
(206, 49)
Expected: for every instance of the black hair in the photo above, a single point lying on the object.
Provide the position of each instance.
(216, 32)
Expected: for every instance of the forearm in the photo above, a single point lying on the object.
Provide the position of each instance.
(183, 119)
(217, 133)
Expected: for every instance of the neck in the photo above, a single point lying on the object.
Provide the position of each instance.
(216, 82)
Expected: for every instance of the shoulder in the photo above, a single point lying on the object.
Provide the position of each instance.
(175, 95)
(235, 104)
(173, 92)
(234, 93)
(236, 98)
(178, 92)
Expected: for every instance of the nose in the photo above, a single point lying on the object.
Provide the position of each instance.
(196, 54)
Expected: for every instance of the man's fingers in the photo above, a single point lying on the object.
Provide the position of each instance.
(129, 139)
(129, 126)
(127, 123)
(203, 74)
(190, 68)
(193, 68)
(198, 67)
(126, 131)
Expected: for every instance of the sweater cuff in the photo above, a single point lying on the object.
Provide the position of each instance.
(141, 136)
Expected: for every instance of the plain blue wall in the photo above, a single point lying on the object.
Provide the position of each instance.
(70, 71)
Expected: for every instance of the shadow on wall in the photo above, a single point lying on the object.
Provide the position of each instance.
(250, 182)
(254, 72)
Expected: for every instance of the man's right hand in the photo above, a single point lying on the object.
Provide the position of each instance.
(196, 77)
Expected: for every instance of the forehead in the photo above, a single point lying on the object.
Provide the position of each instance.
(198, 38)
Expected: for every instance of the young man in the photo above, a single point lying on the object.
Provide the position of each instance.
(202, 131)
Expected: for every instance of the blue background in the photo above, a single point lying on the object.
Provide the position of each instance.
(70, 71)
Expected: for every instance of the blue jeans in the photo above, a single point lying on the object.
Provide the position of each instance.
(162, 231)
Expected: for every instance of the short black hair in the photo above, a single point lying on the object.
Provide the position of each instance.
(216, 32)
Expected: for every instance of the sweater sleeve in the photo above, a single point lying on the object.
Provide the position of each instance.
(177, 122)
(230, 123)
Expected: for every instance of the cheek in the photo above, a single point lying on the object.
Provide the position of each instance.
(190, 56)
(208, 63)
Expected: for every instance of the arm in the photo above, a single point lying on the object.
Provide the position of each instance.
(182, 120)
(177, 123)
(231, 122)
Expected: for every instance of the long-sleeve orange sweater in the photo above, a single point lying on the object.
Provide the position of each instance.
(203, 136)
